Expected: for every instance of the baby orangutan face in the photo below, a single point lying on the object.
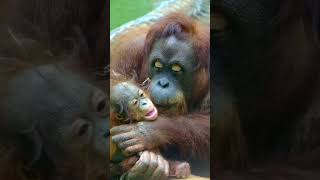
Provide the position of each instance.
(131, 103)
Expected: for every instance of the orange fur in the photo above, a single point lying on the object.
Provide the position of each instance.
(190, 132)
(132, 55)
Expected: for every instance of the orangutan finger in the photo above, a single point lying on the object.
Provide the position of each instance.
(152, 166)
(166, 168)
(134, 149)
(141, 165)
(183, 170)
(160, 170)
(121, 129)
(123, 137)
(125, 144)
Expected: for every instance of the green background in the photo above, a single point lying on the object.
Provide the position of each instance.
(122, 11)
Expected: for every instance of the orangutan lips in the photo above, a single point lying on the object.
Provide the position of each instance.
(152, 114)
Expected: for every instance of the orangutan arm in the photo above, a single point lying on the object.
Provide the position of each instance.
(190, 133)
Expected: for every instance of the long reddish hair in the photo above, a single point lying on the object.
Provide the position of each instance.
(183, 28)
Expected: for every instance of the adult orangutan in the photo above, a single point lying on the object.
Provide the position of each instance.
(174, 55)
(54, 122)
(266, 106)
(54, 117)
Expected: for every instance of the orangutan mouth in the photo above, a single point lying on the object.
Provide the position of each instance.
(152, 114)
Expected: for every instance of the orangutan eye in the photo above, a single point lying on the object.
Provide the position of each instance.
(101, 105)
(176, 68)
(99, 102)
(83, 129)
(80, 128)
(141, 93)
(134, 102)
(158, 64)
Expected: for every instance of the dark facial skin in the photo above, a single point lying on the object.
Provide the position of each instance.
(132, 103)
(171, 67)
(64, 117)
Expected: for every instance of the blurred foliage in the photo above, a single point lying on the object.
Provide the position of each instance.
(122, 11)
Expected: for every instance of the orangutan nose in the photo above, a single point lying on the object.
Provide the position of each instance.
(163, 82)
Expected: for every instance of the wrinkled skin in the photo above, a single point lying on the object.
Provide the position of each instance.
(149, 166)
(131, 138)
(171, 64)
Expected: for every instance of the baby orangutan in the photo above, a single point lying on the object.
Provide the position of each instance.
(130, 104)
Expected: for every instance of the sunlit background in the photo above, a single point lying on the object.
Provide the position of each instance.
(122, 11)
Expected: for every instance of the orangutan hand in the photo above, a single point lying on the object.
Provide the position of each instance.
(150, 166)
(134, 138)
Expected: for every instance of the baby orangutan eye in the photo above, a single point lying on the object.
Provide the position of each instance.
(134, 103)
(141, 93)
